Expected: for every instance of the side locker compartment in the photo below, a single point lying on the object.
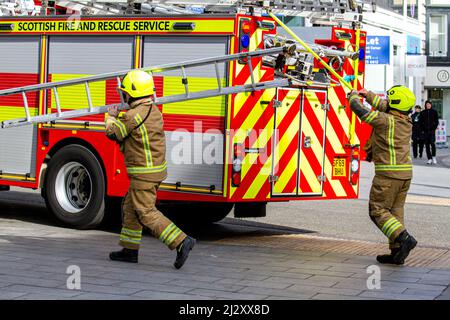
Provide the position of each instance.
(194, 129)
(19, 67)
(312, 142)
(286, 143)
(72, 57)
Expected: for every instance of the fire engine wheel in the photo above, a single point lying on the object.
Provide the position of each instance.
(74, 187)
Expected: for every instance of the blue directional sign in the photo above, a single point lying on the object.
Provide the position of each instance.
(378, 50)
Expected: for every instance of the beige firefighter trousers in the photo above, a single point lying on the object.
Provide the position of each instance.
(139, 210)
(386, 206)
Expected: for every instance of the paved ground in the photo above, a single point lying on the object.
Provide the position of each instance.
(34, 259)
(300, 251)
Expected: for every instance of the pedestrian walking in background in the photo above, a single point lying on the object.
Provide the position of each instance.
(417, 133)
(390, 144)
(429, 122)
(141, 136)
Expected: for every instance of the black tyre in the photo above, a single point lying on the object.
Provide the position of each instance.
(196, 213)
(74, 187)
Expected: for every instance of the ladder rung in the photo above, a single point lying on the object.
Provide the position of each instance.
(88, 95)
(25, 104)
(58, 106)
(219, 81)
(185, 80)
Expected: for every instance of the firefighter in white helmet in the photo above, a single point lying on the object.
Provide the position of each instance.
(141, 136)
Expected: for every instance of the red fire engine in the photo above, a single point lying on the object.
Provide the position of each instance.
(288, 143)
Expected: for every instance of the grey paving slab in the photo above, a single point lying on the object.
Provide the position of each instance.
(247, 275)
(419, 292)
(326, 272)
(43, 296)
(317, 289)
(6, 256)
(103, 296)
(155, 295)
(435, 279)
(322, 281)
(361, 285)
(279, 292)
(327, 296)
(312, 266)
(261, 284)
(30, 281)
(440, 271)
(409, 285)
(282, 298)
(358, 270)
(205, 285)
(41, 290)
(394, 296)
(11, 295)
(228, 295)
(154, 287)
(108, 289)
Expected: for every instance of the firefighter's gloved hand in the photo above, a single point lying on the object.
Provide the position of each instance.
(351, 93)
(363, 92)
(113, 111)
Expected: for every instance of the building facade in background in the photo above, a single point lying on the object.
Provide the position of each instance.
(437, 83)
(396, 46)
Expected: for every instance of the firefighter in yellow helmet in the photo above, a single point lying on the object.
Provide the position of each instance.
(141, 136)
(390, 144)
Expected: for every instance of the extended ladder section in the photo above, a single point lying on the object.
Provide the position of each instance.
(317, 11)
(183, 67)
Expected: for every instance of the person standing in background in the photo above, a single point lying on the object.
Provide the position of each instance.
(417, 133)
(429, 122)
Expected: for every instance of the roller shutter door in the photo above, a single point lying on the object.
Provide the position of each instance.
(19, 67)
(79, 56)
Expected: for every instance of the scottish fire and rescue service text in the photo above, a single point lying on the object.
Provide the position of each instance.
(230, 310)
(101, 26)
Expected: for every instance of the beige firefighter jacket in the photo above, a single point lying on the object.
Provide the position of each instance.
(390, 140)
(143, 144)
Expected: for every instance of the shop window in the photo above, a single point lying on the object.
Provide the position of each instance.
(437, 36)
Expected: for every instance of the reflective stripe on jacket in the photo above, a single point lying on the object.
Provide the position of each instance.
(144, 146)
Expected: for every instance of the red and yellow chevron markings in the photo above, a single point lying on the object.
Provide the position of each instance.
(312, 141)
(252, 123)
(285, 155)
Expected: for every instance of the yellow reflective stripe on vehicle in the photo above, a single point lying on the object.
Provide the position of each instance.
(166, 231)
(145, 140)
(391, 132)
(393, 228)
(388, 223)
(172, 238)
(121, 126)
(130, 240)
(154, 169)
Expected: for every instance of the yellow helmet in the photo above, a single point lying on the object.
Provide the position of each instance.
(137, 84)
(401, 98)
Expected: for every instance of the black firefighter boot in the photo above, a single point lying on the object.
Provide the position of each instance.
(407, 243)
(125, 255)
(388, 258)
(183, 251)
